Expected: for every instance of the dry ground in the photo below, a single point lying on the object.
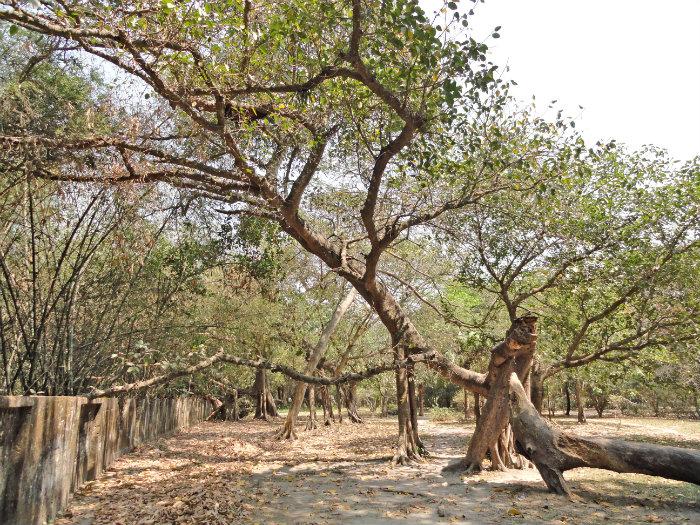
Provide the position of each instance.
(230, 473)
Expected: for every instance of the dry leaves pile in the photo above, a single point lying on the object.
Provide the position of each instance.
(230, 473)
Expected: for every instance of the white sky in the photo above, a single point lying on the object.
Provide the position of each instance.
(634, 65)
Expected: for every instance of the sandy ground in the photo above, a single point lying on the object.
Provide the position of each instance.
(230, 473)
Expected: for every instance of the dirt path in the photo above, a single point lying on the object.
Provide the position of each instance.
(229, 473)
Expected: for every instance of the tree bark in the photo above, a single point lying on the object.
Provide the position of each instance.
(477, 406)
(311, 400)
(537, 386)
(578, 392)
(567, 396)
(327, 402)
(350, 397)
(287, 431)
(554, 452)
(409, 447)
(492, 435)
(421, 400)
(260, 391)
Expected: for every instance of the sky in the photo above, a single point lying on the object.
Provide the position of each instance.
(634, 65)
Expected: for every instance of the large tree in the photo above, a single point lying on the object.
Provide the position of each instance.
(350, 124)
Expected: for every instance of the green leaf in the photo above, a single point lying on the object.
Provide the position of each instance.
(13, 30)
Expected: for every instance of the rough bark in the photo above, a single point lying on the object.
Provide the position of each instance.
(554, 452)
(409, 447)
(513, 355)
(288, 429)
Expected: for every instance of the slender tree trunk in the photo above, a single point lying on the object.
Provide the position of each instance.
(328, 417)
(350, 396)
(477, 406)
(339, 402)
(287, 431)
(421, 400)
(234, 405)
(466, 404)
(311, 400)
(578, 392)
(537, 386)
(384, 406)
(567, 395)
(260, 391)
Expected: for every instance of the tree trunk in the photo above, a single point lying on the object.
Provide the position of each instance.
(260, 391)
(384, 403)
(287, 431)
(328, 417)
(234, 405)
(554, 452)
(537, 386)
(409, 446)
(310, 399)
(578, 392)
(421, 400)
(567, 395)
(339, 402)
(350, 396)
(492, 435)
(477, 406)
(466, 404)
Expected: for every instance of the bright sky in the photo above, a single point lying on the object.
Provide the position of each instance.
(634, 65)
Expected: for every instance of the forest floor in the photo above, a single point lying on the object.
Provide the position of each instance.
(235, 472)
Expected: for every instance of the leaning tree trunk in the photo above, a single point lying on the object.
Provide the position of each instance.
(554, 452)
(578, 392)
(287, 431)
(492, 433)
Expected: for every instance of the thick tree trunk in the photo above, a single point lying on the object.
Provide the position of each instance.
(492, 435)
(554, 452)
(287, 431)
(261, 395)
(578, 391)
(409, 447)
